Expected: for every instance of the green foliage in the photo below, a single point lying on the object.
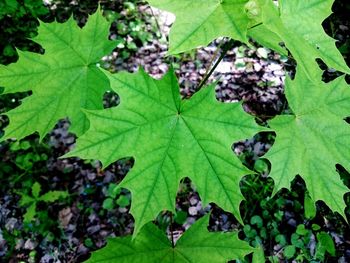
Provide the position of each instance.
(214, 19)
(63, 80)
(25, 161)
(195, 245)
(131, 30)
(300, 242)
(18, 23)
(299, 27)
(19, 9)
(262, 20)
(111, 201)
(171, 139)
(26, 158)
(309, 206)
(175, 139)
(316, 126)
(325, 244)
(31, 201)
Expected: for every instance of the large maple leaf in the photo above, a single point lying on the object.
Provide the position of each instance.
(170, 139)
(64, 80)
(314, 139)
(197, 244)
(201, 21)
(298, 24)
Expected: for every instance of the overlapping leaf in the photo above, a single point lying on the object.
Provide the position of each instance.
(258, 31)
(63, 80)
(196, 245)
(299, 26)
(314, 139)
(170, 139)
(199, 22)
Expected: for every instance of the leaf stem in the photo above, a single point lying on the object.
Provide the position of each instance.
(155, 18)
(171, 230)
(214, 57)
(226, 47)
(259, 24)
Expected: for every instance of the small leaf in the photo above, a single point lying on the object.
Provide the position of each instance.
(24, 145)
(289, 251)
(123, 201)
(89, 243)
(301, 230)
(108, 204)
(36, 188)
(113, 190)
(53, 196)
(327, 242)
(309, 207)
(281, 239)
(315, 227)
(25, 200)
(296, 241)
(260, 166)
(256, 220)
(30, 213)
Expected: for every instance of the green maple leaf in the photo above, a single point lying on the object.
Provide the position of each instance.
(170, 139)
(199, 22)
(63, 80)
(197, 244)
(299, 25)
(314, 139)
(30, 202)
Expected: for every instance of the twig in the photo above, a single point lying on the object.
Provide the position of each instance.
(259, 24)
(226, 47)
(155, 18)
(171, 230)
(214, 56)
